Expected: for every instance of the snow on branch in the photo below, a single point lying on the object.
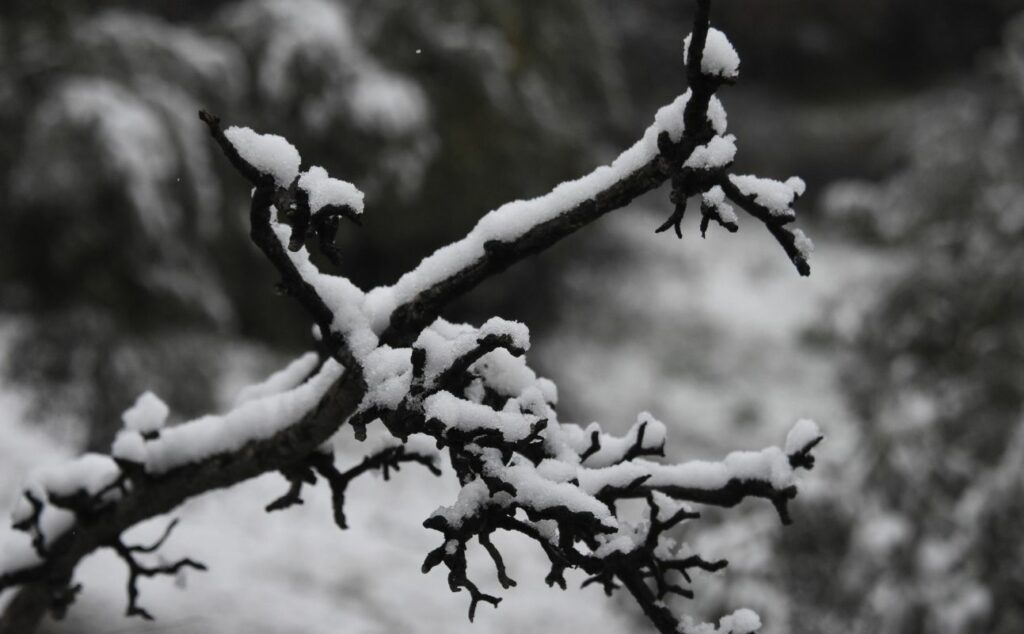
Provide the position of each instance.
(453, 398)
(771, 202)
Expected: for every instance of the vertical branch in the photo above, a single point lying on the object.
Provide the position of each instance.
(701, 85)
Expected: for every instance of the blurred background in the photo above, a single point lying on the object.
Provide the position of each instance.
(125, 266)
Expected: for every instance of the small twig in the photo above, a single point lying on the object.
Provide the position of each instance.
(499, 564)
(137, 570)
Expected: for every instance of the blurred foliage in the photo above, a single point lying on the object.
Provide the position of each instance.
(121, 226)
(936, 373)
(830, 50)
(125, 241)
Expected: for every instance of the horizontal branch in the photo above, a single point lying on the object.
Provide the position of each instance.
(413, 315)
(151, 496)
(728, 496)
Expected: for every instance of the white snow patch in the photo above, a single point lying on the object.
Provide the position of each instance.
(613, 448)
(797, 184)
(472, 496)
(16, 551)
(468, 416)
(324, 191)
(742, 621)
(129, 445)
(388, 376)
(717, 116)
(768, 465)
(802, 243)
(775, 196)
(803, 433)
(268, 153)
(281, 381)
(148, 414)
(90, 473)
(719, 59)
(715, 199)
(253, 420)
(719, 152)
(515, 330)
(344, 299)
(535, 491)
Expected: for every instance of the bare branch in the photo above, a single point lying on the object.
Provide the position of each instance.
(136, 570)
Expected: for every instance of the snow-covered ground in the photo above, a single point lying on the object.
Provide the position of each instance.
(715, 337)
(710, 336)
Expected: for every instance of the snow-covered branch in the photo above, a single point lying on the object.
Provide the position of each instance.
(452, 397)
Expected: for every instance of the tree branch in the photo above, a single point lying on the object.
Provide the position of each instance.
(498, 461)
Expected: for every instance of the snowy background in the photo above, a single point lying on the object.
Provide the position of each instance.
(125, 266)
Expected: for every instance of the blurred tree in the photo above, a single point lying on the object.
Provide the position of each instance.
(834, 49)
(98, 107)
(922, 532)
